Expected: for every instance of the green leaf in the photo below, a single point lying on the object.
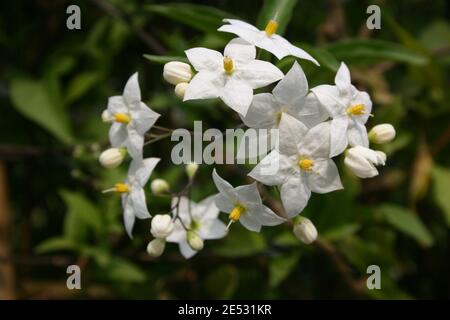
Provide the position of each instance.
(123, 271)
(279, 10)
(241, 243)
(81, 84)
(31, 98)
(441, 187)
(83, 210)
(164, 59)
(280, 268)
(341, 232)
(222, 282)
(407, 222)
(56, 244)
(371, 50)
(200, 17)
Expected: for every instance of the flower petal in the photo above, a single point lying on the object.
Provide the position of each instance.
(135, 143)
(118, 134)
(241, 24)
(316, 142)
(144, 118)
(248, 194)
(292, 50)
(265, 215)
(224, 187)
(139, 204)
(357, 134)
(250, 222)
(309, 111)
(128, 219)
(271, 46)
(240, 50)
(262, 111)
(294, 195)
(273, 170)
(292, 131)
(206, 209)
(140, 171)
(178, 234)
(325, 177)
(186, 250)
(204, 85)
(258, 73)
(361, 97)
(330, 99)
(237, 95)
(342, 79)
(205, 59)
(223, 203)
(251, 36)
(132, 92)
(212, 229)
(116, 104)
(292, 87)
(338, 135)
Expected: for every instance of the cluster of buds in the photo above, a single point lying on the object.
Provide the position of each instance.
(179, 74)
(162, 227)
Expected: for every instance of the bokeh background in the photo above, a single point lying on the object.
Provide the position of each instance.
(55, 82)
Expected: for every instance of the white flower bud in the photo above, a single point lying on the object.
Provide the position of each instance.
(112, 158)
(162, 226)
(159, 186)
(382, 133)
(156, 247)
(191, 169)
(304, 230)
(106, 116)
(362, 161)
(176, 72)
(194, 241)
(180, 89)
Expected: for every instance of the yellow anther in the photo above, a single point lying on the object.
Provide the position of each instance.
(306, 164)
(121, 188)
(356, 110)
(228, 65)
(235, 214)
(122, 118)
(271, 27)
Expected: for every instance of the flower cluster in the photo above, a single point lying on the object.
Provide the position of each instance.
(314, 126)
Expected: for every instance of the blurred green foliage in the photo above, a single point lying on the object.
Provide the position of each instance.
(54, 84)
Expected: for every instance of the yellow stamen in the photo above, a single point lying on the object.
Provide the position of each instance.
(228, 65)
(271, 27)
(306, 164)
(235, 214)
(356, 110)
(121, 188)
(122, 118)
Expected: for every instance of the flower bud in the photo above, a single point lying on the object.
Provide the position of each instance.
(304, 230)
(162, 226)
(176, 72)
(156, 247)
(194, 241)
(362, 161)
(191, 169)
(180, 89)
(159, 186)
(382, 133)
(106, 116)
(112, 157)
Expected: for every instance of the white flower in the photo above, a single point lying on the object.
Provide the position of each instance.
(362, 161)
(304, 230)
(131, 118)
(132, 191)
(112, 157)
(266, 39)
(159, 186)
(156, 247)
(290, 96)
(180, 89)
(300, 165)
(176, 72)
(191, 169)
(204, 223)
(162, 226)
(349, 109)
(244, 204)
(382, 133)
(231, 77)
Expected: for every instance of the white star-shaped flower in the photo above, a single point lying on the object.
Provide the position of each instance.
(231, 76)
(130, 117)
(204, 222)
(349, 109)
(301, 164)
(244, 204)
(132, 191)
(266, 39)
